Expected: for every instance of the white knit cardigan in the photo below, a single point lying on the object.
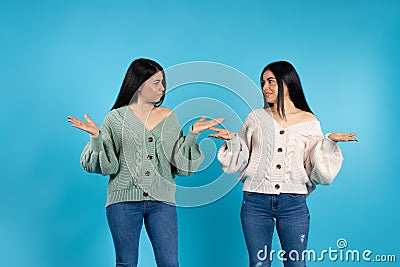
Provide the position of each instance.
(273, 159)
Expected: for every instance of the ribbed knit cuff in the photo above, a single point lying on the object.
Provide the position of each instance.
(232, 144)
(96, 143)
(328, 144)
(191, 137)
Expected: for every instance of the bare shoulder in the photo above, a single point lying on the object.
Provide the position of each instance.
(163, 111)
(303, 116)
(307, 116)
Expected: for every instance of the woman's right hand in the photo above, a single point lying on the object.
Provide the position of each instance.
(89, 126)
(222, 133)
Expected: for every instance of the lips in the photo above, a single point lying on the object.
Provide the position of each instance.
(268, 94)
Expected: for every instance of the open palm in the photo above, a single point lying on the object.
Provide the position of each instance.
(222, 133)
(87, 126)
(202, 125)
(342, 137)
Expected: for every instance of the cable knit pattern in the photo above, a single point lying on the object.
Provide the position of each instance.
(273, 159)
(141, 164)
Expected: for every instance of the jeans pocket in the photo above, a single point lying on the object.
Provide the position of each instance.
(249, 197)
(247, 193)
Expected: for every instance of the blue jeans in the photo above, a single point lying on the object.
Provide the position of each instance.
(125, 221)
(258, 215)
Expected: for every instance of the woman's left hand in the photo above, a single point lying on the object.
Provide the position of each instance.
(202, 125)
(342, 137)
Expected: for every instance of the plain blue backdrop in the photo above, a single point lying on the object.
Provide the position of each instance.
(62, 58)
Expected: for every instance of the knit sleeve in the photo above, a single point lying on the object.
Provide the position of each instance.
(183, 152)
(324, 160)
(234, 154)
(99, 154)
(187, 154)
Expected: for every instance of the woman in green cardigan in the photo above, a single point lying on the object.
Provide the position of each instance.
(141, 147)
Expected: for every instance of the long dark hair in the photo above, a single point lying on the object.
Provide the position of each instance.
(285, 73)
(138, 72)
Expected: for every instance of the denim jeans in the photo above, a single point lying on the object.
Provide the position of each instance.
(125, 221)
(259, 213)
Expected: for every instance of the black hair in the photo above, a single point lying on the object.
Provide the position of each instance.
(138, 72)
(285, 73)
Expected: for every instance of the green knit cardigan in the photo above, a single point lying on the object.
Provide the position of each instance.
(141, 164)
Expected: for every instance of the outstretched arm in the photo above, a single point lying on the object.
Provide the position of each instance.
(187, 155)
(325, 157)
(98, 156)
(234, 154)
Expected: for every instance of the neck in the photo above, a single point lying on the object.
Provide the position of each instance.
(141, 106)
(288, 108)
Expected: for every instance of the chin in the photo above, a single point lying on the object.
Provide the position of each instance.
(270, 104)
(270, 101)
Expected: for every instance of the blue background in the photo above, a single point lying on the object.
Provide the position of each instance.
(62, 58)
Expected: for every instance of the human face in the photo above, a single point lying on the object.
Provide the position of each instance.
(269, 87)
(153, 89)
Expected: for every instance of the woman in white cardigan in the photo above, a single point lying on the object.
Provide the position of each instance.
(281, 155)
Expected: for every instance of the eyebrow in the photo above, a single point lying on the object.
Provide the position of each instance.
(269, 78)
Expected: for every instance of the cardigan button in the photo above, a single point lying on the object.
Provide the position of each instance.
(281, 131)
(277, 186)
(150, 139)
(278, 166)
(149, 157)
(280, 150)
(147, 173)
(145, 194)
